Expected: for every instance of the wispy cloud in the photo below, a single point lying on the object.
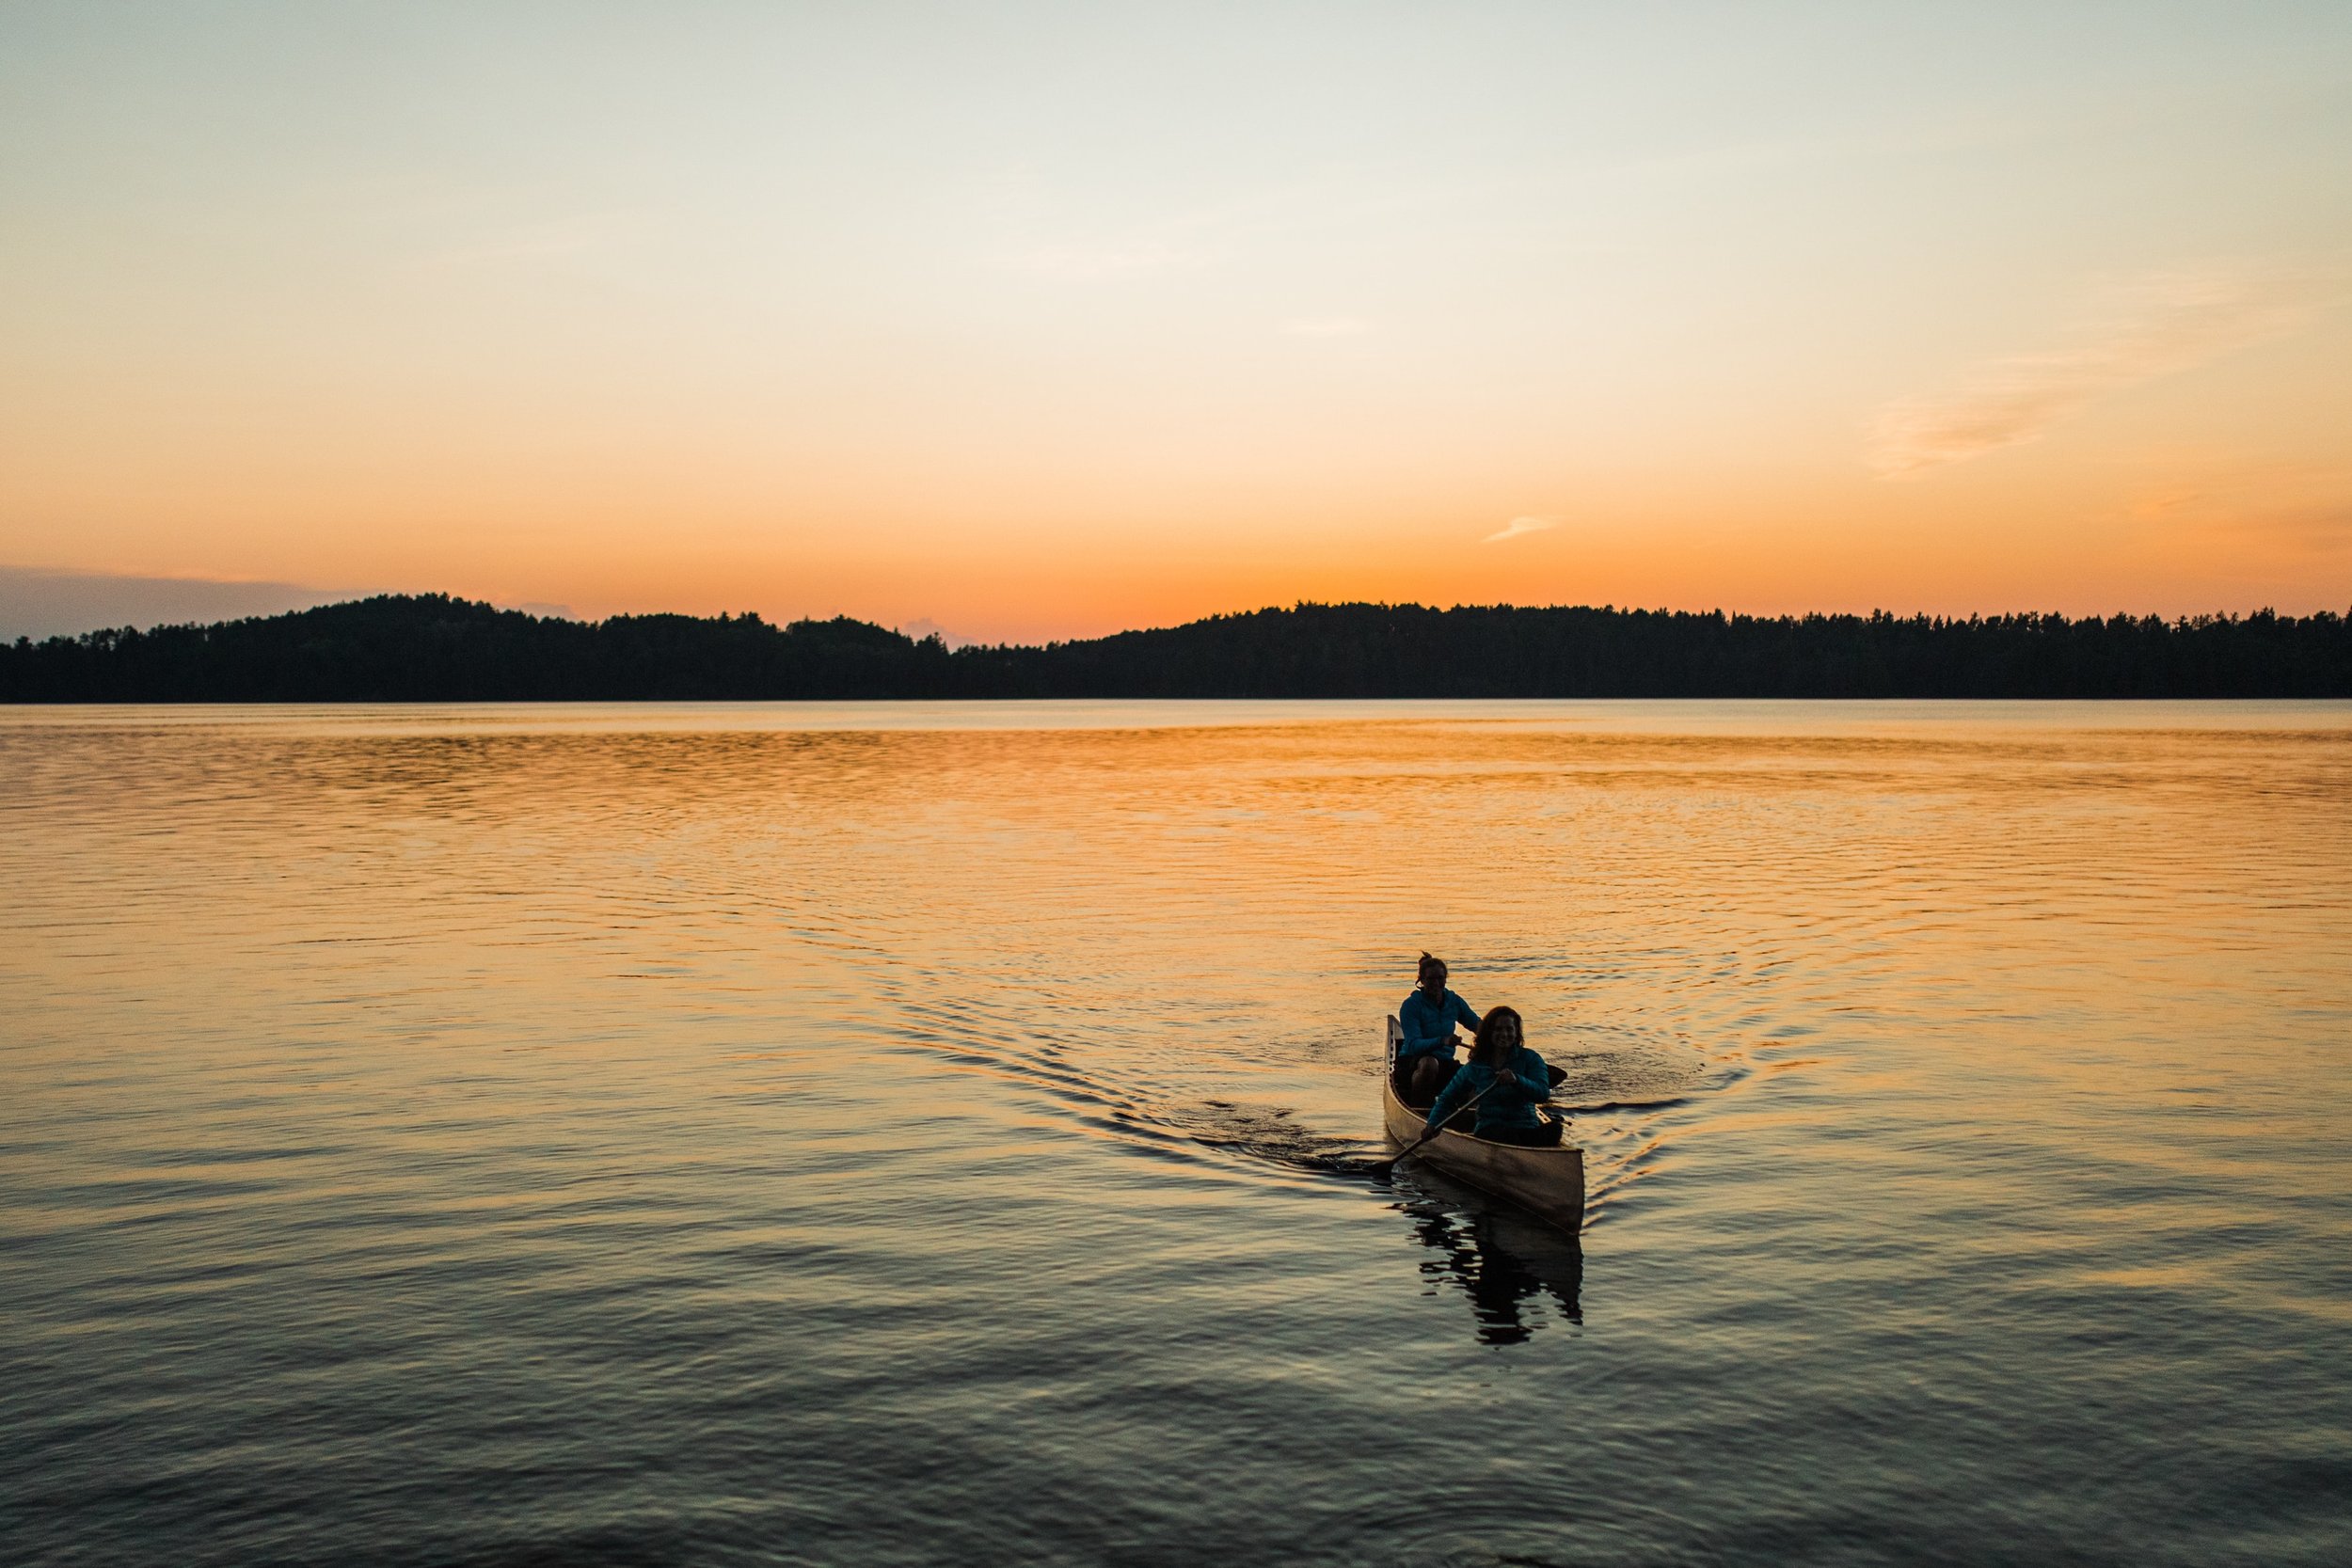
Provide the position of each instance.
(2155, 326)
(1326, 326)
(2258, 505)
(1518, 526)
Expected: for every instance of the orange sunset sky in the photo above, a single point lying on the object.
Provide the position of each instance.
(1029, 321)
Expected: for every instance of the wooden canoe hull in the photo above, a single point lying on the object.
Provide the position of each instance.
(1547, 1182)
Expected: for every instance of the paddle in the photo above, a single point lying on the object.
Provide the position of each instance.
(1382, 1172)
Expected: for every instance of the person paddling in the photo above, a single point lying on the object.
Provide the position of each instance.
(1507, 1080)
(1425, 1057)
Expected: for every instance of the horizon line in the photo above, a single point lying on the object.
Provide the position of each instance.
(546, 613)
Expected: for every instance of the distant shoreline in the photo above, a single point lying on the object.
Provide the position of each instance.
(436, 648)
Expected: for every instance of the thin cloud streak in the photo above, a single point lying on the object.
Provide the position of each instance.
(1518, 526)
(2158, 325)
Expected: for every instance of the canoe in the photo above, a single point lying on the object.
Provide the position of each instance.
(1547, 1182)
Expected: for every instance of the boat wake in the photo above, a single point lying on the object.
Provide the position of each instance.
(1617, 1087)
(1272, 1136)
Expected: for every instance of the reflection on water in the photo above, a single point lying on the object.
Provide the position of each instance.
(1510, 1267)
(901, 1133)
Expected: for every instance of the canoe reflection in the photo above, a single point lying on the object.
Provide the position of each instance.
(1506, 1262)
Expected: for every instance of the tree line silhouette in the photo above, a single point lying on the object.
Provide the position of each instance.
(431, 647)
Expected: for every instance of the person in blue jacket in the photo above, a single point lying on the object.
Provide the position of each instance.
(1508, 1082)
(1425, 1057)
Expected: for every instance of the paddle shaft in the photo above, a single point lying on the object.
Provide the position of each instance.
(1545, 1108)
(1440, 1127)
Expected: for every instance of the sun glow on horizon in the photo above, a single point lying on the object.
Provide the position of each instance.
(1049, 321)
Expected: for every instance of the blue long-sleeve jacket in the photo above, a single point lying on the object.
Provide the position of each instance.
(1429, 1026)
(1503, 1106)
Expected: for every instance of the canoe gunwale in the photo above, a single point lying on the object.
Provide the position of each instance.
(1547, 1182)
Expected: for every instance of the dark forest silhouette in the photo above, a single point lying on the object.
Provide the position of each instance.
(432, 647)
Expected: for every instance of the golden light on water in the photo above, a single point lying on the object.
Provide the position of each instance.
(658, 1132)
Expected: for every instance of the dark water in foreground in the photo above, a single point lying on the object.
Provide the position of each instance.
(913, 1135)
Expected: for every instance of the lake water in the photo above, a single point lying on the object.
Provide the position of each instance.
(907, 1133)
